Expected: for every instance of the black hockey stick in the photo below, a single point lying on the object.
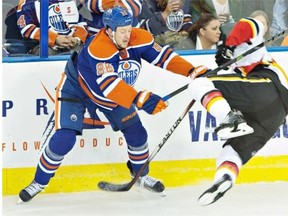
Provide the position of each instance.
(127, 186)
(107, 186)
(232, 61)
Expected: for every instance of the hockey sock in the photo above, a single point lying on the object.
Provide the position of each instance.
(47, 166)
(138, 156)
(59, 145)
(138, 151)
(216, 105)
(228, 162)
(227, 167)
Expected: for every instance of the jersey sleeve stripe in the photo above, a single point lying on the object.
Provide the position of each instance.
(86, 89)
(164, 57)
(107, 82)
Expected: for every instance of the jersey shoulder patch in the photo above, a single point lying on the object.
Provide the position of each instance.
(102, 47)
(140, 37)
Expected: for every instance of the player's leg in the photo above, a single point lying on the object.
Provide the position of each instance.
(68, 123)
(128, 122)
(232, 123)
(228, 165)
(238, 151)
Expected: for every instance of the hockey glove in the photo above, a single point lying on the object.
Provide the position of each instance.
(150, 103)
(198, 71)
(224, 53)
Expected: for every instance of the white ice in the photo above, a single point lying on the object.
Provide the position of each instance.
(259, 199)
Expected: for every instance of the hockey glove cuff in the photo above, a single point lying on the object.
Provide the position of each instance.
(224, 53)
(198, 71)
(149, 102)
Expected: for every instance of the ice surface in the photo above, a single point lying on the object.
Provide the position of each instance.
(258, 199)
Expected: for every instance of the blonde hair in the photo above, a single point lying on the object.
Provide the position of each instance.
(263, 14)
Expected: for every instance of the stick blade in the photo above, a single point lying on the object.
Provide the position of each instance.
(107, 186)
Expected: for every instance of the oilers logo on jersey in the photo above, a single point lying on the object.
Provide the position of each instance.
(56, 20)
(129, 71)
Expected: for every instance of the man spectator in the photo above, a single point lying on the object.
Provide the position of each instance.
(67, 31)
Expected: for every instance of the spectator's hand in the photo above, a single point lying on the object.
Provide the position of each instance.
(173, 5)
(64, 41)
(223, 18)
(149, 102)
(198, 71)
(74, 41)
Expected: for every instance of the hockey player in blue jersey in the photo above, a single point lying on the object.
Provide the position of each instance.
(97, 8)
(101, 77)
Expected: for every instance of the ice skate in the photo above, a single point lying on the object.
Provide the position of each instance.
(147, 182)
(30, 191)
(216, 191)
(150, 184)
(233, 125)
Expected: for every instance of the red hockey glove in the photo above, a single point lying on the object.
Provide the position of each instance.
(198, 71)
(150, 103)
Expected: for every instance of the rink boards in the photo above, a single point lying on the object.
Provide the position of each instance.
(188, 157)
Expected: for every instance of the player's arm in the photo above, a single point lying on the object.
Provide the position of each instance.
(103, 85)
(117, 90)
(166, 58)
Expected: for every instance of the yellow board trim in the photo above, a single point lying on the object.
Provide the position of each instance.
(175, 173)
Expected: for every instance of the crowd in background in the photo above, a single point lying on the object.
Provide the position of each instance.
(181, 24)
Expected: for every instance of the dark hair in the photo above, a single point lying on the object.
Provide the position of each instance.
(202, 22)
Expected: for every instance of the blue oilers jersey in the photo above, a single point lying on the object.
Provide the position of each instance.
(107, 74)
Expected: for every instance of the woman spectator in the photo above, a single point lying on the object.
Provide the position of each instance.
(204, 34)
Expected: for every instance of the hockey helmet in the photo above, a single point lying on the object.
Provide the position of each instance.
(115, 17)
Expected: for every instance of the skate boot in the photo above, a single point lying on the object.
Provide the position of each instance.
(233, 125)
(147, 182)
(30, 191)
(216, 191)
(150, 184)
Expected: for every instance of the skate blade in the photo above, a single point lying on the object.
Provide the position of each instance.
(145, 190)
(210, 197)
(19, 201)
(226, 133)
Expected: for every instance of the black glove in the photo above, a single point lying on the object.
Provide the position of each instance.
(224, 53)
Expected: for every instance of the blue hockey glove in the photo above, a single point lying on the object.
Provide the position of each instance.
(149, 102)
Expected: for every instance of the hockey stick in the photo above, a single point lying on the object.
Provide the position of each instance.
(107, 186)
(50, 125)
(232, 61)
(127, 186)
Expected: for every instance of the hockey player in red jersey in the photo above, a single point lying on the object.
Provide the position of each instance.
(256, 86)
(101, 78)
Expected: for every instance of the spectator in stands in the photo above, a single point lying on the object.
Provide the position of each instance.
(204, 34)
(67, 32)
(13, 43)
(97, 8)
(167, 20)
(279, 19)
(228, 11)
(221, 8)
